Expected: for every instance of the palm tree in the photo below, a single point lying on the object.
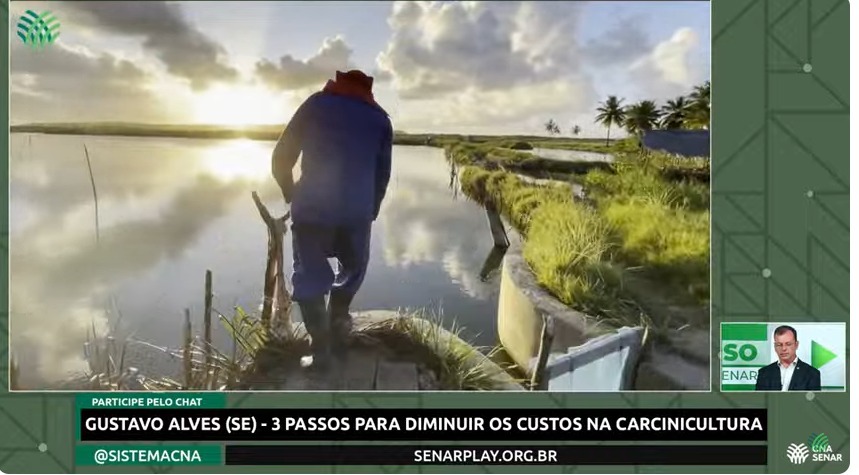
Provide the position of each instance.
(702, 93)
(610, 112)
(674, 113)
(577, 130)
(552, 127)
(640, 117)
(698, 115)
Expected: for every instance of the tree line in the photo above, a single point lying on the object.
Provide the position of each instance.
(691, 111)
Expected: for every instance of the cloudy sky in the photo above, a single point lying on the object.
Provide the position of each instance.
(468, 67)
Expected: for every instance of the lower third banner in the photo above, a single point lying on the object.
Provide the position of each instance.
(496, 455)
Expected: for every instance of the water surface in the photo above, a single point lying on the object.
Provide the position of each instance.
(571, 155)
(169, 209)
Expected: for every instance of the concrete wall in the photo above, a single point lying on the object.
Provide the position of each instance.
(680, 363)
(521, 306)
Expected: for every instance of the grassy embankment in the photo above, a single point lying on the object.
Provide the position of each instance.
(639, 220)
(498, 155)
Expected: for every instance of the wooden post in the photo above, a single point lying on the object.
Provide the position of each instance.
(538, 379)
(207, 320)
(281, 298)
(496, 227)
(186, 349)
(275, 299)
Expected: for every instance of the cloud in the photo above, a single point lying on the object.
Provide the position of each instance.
(666, 71)
(474, 62)
(624, 42)
(507, 67)
(70, 283)
(149, 214)
(65, 83)
(381, 75)
(470, 67)
(293, 74)
(442, 48)
(186, 51)
(509, 106)
(419, 228)
(62, 184)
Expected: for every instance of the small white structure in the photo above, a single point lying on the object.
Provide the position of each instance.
(604, 363)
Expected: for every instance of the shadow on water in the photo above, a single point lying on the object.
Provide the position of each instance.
(454, 180)
(492, 264)
(495, 258)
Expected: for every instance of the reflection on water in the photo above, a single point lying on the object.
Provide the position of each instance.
(238, 159)
(492, 264)
(171, 208)
(571, 155)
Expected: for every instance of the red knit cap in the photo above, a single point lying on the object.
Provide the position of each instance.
(356, 76)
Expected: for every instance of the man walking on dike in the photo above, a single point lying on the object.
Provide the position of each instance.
(788, 373)
(345, 140)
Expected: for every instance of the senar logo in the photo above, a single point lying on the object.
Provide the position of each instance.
(38, 30)
(745, 344)
(746, 352)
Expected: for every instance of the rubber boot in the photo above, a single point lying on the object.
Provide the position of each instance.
(318, 324)
(341, 322)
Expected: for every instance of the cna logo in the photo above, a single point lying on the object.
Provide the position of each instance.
(38, 30)
(820, 450)
(797, 453)
(819, 443)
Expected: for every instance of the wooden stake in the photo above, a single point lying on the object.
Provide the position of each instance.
(94, 193)
(187, 349)
(538, 379)
(275, 298)
(207, 319)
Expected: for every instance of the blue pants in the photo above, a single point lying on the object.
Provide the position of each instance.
(313, 245)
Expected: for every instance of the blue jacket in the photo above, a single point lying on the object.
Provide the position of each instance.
(345, 146)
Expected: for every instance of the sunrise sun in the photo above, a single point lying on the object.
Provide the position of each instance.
(237, 106)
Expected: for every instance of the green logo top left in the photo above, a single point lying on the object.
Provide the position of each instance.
(38, 30)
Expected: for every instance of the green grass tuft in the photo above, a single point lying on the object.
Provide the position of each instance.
(569, 248)
(661, 225)
(457, 364)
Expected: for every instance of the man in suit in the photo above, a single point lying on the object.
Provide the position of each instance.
(788, 373)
